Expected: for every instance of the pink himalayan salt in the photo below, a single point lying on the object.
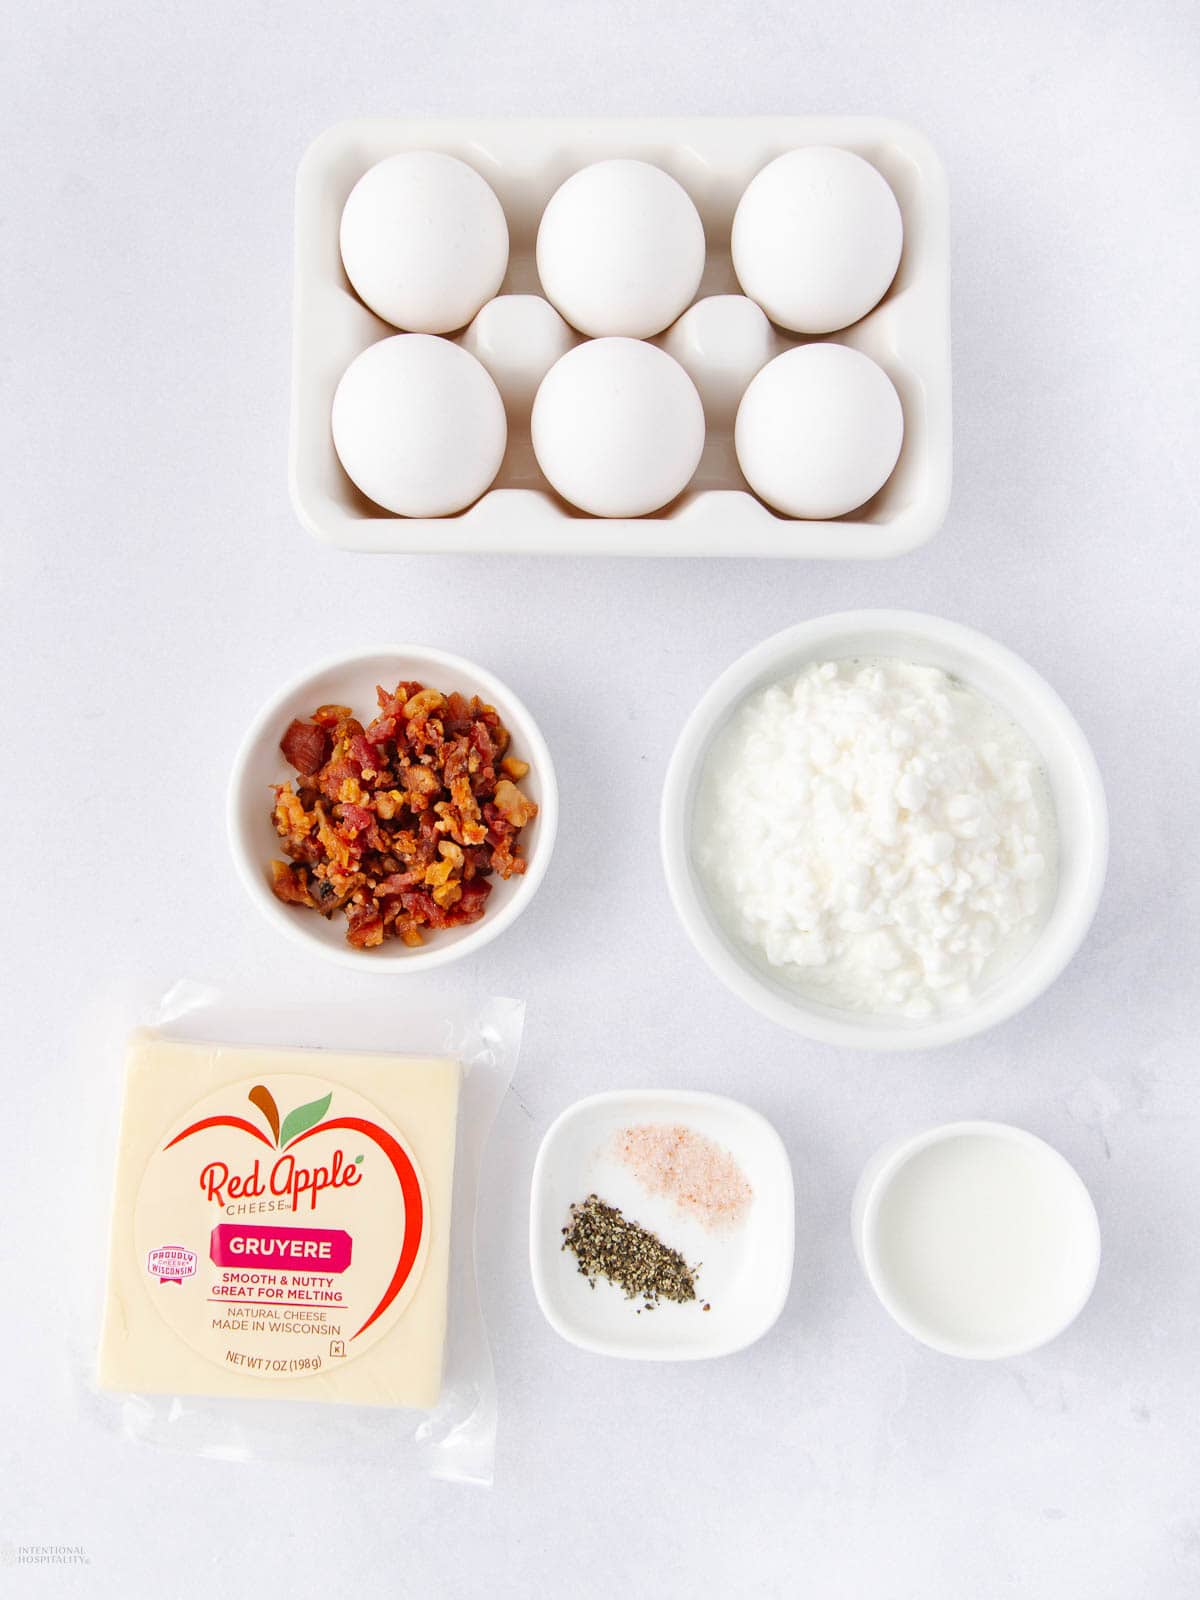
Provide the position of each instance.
(686, 1167)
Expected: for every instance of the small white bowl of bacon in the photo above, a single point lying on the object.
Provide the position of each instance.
(395, 809)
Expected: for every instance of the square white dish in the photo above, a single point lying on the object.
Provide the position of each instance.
(714, 158)
(745, 1270)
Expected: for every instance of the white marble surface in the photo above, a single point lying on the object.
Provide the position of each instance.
(156, 586)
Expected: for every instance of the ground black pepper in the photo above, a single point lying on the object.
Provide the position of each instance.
(606, 1245)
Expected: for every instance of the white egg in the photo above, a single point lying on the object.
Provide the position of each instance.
(817, 238)
(721, 342)
(618, 427)
(518, 338)
(424, 241)
(620, 249)
(419, 425)
(819, 431)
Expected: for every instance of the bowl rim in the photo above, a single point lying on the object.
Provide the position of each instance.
(1013, 991)
(881, 1172)
(597, 1343)
(423, 959)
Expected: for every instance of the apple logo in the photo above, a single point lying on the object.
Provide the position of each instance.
(294, 1186)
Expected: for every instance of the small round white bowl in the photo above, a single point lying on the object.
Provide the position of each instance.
(1075, 1217)
(986, 667)
(351, 681)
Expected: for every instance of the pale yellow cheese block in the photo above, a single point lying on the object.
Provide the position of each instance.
(269, 1243)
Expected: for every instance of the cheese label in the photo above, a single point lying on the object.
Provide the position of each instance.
(281, 1226)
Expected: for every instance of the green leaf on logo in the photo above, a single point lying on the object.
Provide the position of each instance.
(302, 1119)
(358, 1161)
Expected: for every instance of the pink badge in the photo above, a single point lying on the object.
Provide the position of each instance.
(171, 1263)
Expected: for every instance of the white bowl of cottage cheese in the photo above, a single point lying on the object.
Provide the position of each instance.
(884, 830)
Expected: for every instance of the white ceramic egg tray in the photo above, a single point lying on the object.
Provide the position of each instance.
(714, 158)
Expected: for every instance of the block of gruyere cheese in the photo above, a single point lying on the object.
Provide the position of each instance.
(281, 1224)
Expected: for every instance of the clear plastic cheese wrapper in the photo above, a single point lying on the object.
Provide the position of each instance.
(291, 1255)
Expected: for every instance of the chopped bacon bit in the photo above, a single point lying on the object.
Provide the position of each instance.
(330, 716)
(305, 746)
(339, 850)
(340, 767)
(423, 705)
(292, 822)
(357, 819)
(369, 757)
(380, 731)
(395, 882)
(388, 804)
(290, 884)
(516, 808)
(474, 900)
(309, 850)
(400, 825)
(477, 860)
(366, 926)
(438, 873)
(420, 785)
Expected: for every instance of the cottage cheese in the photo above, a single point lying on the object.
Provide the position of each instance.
(880, 834)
